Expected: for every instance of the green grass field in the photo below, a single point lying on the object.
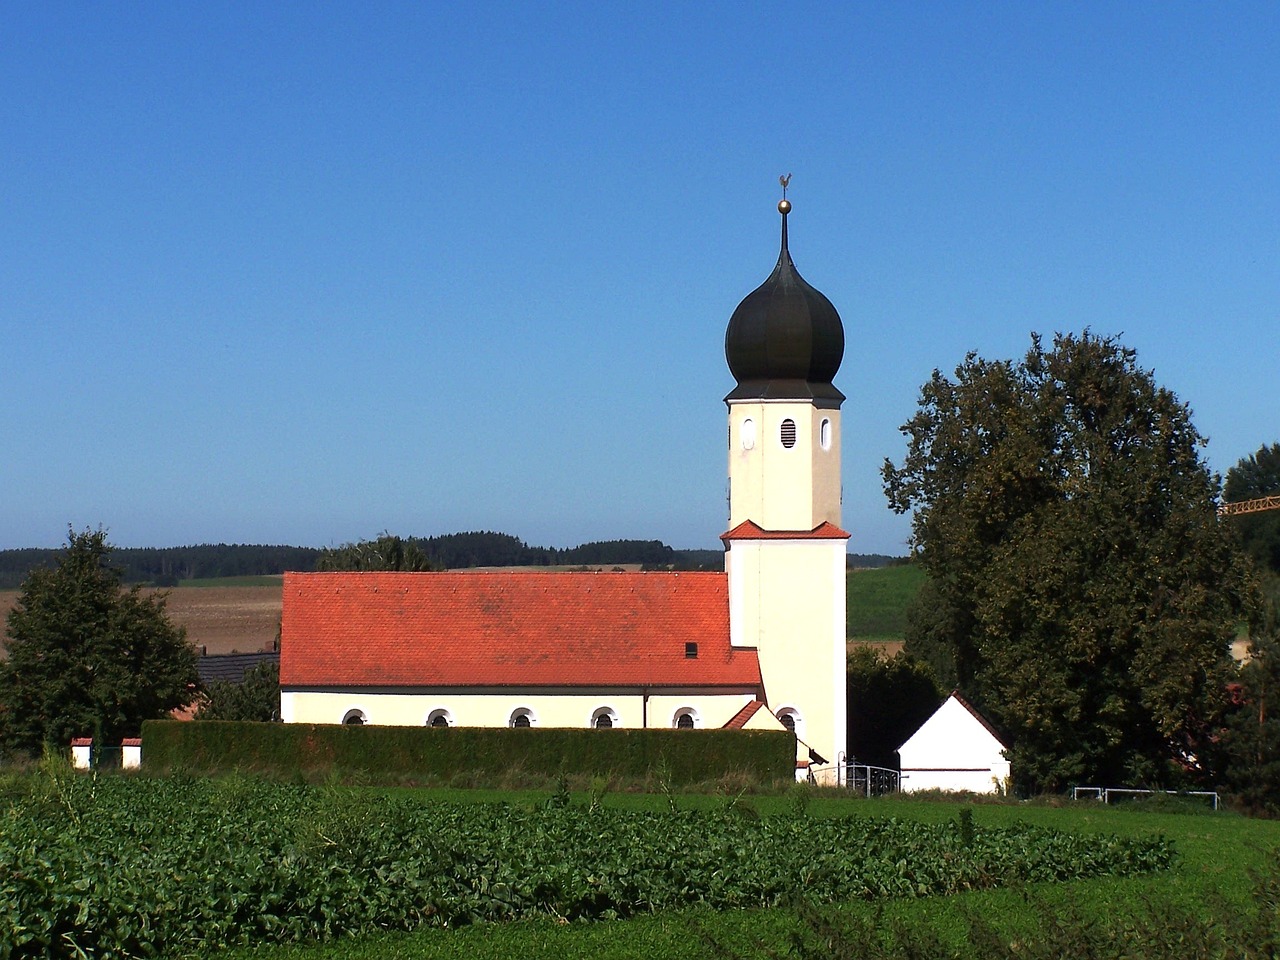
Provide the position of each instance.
(878, 601)
(1217, 853)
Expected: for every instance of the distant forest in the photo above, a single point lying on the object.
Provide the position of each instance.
(169, 566)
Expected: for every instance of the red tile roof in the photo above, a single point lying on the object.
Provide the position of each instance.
(750, 530)
(739, 719)
(509, 629)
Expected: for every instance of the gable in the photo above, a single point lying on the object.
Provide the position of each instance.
(509, 629)
(954, 726)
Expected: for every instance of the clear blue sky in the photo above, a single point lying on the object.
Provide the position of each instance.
(305, 276)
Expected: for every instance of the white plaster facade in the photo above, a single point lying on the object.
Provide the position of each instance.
(954, 750)
(499, 707)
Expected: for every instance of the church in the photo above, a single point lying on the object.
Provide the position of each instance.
(759, 646)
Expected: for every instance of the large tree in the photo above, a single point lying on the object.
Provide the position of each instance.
(1257, 475)
(386, 552)
(1083, 591)
(88, 657)
(888, 699)
(255, 697)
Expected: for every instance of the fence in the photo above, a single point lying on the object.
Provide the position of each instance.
(1121, 793)
(868, 780)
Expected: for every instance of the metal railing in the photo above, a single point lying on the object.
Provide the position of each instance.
(868, 780)
(1121, 793)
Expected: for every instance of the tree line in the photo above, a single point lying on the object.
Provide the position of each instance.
(168, 566)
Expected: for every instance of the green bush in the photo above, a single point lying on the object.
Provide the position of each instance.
(379, 754)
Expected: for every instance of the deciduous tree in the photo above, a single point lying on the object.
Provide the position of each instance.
(387, 552)
(256, 697)
(889, 697)
(1083, 590)
(1257, 475)
(88, 657)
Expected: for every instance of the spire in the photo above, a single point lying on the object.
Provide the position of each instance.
(784, 207)
(785, 340)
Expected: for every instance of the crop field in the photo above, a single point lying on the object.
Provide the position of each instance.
(1212, 877)
(223, 619)
(137, 866)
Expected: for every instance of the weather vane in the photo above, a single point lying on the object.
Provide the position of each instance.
(785, 181)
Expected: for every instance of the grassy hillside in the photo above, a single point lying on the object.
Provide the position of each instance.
(878, 601)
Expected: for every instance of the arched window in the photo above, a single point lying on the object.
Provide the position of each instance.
(824, 434)
(686, 718)
(748, 432)
(522, 717)
(790, 718)
(605, 718)
(440, 718)
(355, 718)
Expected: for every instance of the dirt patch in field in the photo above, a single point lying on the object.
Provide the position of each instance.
(220, 619)
(890, 648)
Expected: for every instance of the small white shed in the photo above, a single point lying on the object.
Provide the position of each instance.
(955, 749)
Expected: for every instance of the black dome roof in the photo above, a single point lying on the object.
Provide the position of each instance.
(785, 340)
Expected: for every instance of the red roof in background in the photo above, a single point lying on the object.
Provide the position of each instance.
(509, 629)
(750, 530)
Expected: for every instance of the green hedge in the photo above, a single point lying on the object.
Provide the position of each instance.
(395, 754)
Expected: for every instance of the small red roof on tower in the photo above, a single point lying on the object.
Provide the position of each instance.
(750, 530)
(510, 629)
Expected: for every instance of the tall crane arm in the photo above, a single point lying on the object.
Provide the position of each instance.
(1249, 506)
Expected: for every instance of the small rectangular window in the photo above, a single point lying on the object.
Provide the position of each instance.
(691, 650)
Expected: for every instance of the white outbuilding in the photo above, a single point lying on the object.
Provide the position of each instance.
(956, 749)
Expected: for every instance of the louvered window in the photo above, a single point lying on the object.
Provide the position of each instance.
(788, 433)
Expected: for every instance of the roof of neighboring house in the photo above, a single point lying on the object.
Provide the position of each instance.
(231, 667)
(510, 629)
(750, 530)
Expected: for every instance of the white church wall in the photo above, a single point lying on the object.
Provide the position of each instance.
(497, 708)
(787, 599)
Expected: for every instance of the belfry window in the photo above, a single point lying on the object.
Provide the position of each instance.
(788, 433)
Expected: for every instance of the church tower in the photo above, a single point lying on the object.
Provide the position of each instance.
(784, 550)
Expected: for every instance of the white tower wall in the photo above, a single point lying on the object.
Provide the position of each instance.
(780, 487)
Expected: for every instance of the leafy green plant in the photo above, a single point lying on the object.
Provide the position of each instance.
(186, 865)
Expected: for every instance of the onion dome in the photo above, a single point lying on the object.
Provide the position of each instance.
(785, 341)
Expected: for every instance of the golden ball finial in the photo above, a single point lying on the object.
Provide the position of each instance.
(784, 207)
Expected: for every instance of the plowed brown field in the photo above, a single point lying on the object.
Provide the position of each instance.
(220, 619)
